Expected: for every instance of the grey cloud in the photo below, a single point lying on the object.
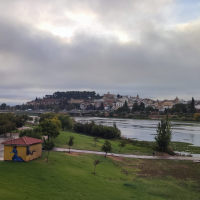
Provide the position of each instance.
(35, 63)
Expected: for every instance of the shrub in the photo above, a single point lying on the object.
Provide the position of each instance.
(88, 128)
(35, 133)
(164, 134)
(107, 132)
(184, 118)
(78, 127)
(174, 117)
(111, 114)
(130, 116)
(97, 130)
(197, 116)
(110, 132)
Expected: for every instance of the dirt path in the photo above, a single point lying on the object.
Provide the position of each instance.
(130, 156)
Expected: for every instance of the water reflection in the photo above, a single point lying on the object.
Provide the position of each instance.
(146, 129)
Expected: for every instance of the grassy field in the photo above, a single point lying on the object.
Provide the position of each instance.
(85, 142)
(70, 177)
(185, 147)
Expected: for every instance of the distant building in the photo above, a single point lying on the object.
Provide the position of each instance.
(168, 105)
(78, 101)
(109, 96)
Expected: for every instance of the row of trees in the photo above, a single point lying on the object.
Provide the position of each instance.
(77, 95)
(93, 129)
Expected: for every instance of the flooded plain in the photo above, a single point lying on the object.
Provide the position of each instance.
(146, 129)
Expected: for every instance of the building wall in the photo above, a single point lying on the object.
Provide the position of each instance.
(21, 152)
(38, 151)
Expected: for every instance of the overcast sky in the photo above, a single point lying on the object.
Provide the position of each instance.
(149, 47)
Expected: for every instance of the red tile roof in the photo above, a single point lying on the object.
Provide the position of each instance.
(23, 141)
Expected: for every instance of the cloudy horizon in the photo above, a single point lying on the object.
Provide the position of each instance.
(126, 47)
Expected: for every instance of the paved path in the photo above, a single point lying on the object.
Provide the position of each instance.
(131, 156)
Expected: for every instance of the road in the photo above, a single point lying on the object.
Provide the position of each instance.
(130, 156)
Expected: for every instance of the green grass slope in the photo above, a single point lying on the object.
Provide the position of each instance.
(85, 142)
(70, 177)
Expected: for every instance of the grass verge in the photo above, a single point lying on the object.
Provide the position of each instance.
(85, 142)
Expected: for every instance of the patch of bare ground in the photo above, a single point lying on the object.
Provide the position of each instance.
(162, 154)
(116, 158)
(73, 154)
(182, 170)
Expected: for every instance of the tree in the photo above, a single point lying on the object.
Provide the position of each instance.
(164, 134)
(56, 109)
(66, 121)
(149, 109)
(197, 116)
(70, 142)
(142, 106)
(2, 130)
(95, 140)
(36, 120)
(96, 162)
(102, 106)
(114, 125)
(121, 145)
(48, 146)
(70, 107)
(34, 133)
(193, 110)
(110, 114)
(57, 122)
(49, 128)
(106, 147)
(125, 107)
(3, 106)
(9, 127)
(136, 107)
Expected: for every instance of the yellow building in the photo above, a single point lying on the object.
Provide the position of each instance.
(22, 149)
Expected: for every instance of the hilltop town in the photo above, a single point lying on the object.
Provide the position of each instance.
(109, 102)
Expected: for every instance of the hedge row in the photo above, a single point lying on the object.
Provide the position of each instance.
(93, 129)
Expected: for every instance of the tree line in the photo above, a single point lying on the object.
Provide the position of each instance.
(107, 132)
(9, 122)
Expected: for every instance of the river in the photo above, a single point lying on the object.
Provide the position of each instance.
(146, 129)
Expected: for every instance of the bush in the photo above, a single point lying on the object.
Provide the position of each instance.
(174, 117)
(88, 128)
(184, 119)
(107, 132)
(78, 127)
(111, 114)
(110, 132)
(197, 116)
(97, 130)
(34, 133)
(130, 116)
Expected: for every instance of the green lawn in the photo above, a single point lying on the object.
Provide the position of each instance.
(70, 177)
(86, 142)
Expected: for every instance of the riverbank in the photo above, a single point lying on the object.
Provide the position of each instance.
(150, 118)
(145, 130)
(85, 142)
